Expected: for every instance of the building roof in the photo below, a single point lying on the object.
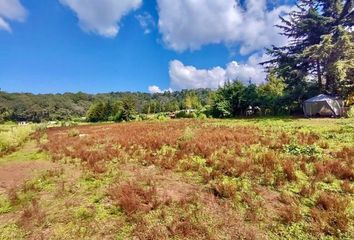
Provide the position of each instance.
(320, 98)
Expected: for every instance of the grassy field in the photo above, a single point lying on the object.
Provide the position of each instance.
(189, 179)
(13, 136)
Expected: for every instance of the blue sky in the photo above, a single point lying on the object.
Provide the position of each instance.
(52, 46)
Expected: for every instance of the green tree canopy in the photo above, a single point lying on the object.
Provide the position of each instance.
(320, 36)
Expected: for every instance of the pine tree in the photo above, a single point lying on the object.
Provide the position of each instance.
(316, 25)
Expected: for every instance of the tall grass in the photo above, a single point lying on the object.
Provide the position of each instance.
(12, 137)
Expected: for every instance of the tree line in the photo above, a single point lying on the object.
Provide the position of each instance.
(96, 107)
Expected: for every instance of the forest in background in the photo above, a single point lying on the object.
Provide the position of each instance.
(71, 106)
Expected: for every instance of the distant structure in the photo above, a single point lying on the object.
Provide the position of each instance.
(23, 123)
(323, 106)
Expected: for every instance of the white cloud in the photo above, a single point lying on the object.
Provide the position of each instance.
(187, 24)
(101, 16)
(11, 10)
(155, 89)
(189, 77)
(146, 21)
(186, 77)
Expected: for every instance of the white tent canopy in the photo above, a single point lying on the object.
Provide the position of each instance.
(323, 105)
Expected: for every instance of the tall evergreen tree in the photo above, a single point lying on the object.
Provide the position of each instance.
(309, 28)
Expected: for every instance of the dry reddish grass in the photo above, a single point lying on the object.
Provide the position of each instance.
(105, 142)
(308, 138)
(96, 144)
(290, 214)
(209, 139)
(329, 215)
(347, 188)
(289, 170)
(346, 154)
(133, 198)
(32, 215)
(224, 150)
(337, 168)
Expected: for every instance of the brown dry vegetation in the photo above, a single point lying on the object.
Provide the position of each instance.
(188, 179)
(225, 158)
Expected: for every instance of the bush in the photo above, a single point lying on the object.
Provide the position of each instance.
(202, 116)
(185, 114)
(192, 115)
(162, 117)
(181, 114)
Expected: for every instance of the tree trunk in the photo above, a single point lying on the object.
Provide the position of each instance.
(319, 75)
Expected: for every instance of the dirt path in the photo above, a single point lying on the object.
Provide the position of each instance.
(15, 174)
(22, 165)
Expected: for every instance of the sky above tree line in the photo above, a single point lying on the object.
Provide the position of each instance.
(53, 46)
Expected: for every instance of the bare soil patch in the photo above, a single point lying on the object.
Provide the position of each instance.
(13, 175)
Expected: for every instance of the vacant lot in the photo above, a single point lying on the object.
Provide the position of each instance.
(186, 179)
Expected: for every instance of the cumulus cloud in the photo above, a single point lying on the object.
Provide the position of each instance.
(146, 21)
(155, 89)
(186, 24)
(11, 10)
(189, 77)
(101, 16)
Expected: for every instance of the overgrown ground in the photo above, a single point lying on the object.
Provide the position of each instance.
(186, 179)
(13, 136)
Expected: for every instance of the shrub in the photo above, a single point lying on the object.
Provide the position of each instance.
(202, 116)
(185, 114)
(162, 117)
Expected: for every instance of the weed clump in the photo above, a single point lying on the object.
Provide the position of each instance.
(329, 214)
(134, 198)
(289, 170)
(32, 215)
